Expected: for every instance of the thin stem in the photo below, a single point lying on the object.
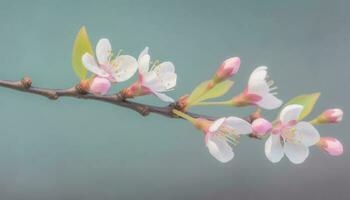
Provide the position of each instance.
(314, 121)
(218, 103)
(185, 116)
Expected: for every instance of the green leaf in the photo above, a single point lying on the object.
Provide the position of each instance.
(81, 46)
(197, 92)
(202, 93)
(307, 100)
(217, 91)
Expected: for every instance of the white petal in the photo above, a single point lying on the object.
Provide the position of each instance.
(308, 133)
(258, 74)
(143, 53)
(290, 112)
(165, 67)
(151, 81)
(168, 81)
(258, 87)
(296, 153)
(274, 149)
(91, 65)
(103, 51)
(269, 102)
(164, 97)
(239, 125)
(220, 149)
(126, 67)
(216, 124)
(144, 64)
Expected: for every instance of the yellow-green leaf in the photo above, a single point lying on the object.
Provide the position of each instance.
(307, 100)
(217, 91)
(81, 46)
(197, 92)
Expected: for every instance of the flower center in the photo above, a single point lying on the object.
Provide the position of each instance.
(287, 132)
(229, 134)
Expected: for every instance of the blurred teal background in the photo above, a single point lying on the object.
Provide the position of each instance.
(74, 149)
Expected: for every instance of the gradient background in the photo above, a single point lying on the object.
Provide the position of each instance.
(75, 149)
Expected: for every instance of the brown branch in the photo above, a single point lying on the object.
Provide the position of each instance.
(25, 85)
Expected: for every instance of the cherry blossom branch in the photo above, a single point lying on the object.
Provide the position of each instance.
(289, 135)
(25, 85)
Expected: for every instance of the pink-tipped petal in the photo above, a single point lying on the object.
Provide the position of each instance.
(332, 146)
(261, 126)
(100, 85)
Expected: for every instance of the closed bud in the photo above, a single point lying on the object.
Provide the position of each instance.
(134, 90)
(100, 85)
(227, 69)
(182, 103)
(331, 145)
(334, 115)
(261, 126)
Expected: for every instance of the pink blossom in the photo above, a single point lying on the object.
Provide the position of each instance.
(222, 134)
(259, 91)
(156, 79)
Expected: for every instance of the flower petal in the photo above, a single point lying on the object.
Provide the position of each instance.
(126, 67)
(239, 125)
(259, 74)
(165, 67)
(258, 87)
(151, 81)
(274, 149)
(144, 64)
(103, 51)
(168, 81)
(220, 149)
(296, 153)
(164, 97)
(91, 65)
(269, 101)
(290, 113)
(143, 53)
(216, 124)
(308, 133)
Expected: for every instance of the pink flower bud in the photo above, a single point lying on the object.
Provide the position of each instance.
(100, 85)
(332, 115)
(261, 126)
(136, 89)
(228, 68)
(331, 146)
